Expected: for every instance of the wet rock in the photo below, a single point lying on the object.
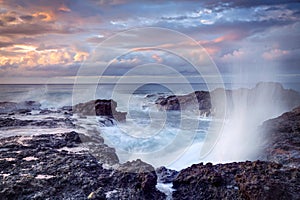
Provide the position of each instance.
(46, 167)
(50, 123)
(244, 180)
(200, 99)
(283, 139)
(100, 107)
(136, 175)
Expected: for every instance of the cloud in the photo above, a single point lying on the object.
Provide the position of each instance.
(41, 36)
(26, 17)
(275, 54)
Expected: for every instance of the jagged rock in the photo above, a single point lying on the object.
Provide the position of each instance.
(283, 139)
(202, 98)
(244, 180)
(135, 175)
(100, 107)
(51, 167)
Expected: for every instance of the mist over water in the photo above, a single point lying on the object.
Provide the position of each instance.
(247, 109)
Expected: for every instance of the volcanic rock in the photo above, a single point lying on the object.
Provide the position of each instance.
(100, 107)
(244, 180)
(55, 166)
(198, 99)
(283, 139)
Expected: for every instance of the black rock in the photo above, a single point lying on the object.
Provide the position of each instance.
(283, 139)
(46, 167)
(244, 180)
(100, 107)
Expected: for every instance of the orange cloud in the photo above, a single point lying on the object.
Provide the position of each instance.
(64, 8)
(228, 37)
(80, 56)
(26, 56)
(45, 16)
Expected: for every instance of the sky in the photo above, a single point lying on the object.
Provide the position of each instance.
(44, 41)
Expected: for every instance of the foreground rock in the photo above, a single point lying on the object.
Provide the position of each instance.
(56, 167)
(283, 136)
(100, 107)
(244, 180)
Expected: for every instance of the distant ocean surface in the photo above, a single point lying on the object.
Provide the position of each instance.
(57, 95)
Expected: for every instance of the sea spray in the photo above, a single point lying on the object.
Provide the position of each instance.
(246, 110)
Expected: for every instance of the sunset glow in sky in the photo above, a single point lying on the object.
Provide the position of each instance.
(45, 39)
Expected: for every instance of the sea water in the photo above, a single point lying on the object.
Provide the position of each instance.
(147, 129)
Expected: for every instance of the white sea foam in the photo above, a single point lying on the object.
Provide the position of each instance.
(167, 189)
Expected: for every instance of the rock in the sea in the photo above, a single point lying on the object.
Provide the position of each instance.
(100, 107)
(199, 99)
(244, 180)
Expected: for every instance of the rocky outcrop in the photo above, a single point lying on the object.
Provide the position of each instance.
(283, 139)
(21, 107)
(270, 96)
(202, 98)
(55, 166)
(244, 180)
(100, 107)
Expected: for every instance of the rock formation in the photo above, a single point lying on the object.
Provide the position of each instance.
(100, 107)
(281, 99)
(244, 180)
(283, 139)
(55, 167)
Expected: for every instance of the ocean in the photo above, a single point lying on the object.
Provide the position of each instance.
(172, 139)
(146, 131)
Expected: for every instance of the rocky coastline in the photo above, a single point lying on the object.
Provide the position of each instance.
(72, 165)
